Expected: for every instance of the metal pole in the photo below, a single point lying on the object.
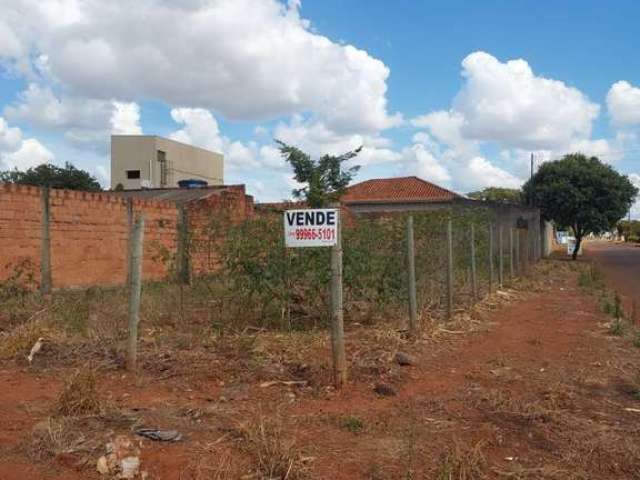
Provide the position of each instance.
(411, 260)
(474, 278)
(449, 269)
(45, 245)
(135, 288)
(337, 320)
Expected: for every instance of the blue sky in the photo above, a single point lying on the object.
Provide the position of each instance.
(459, 93)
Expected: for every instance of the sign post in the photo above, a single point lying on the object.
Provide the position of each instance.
(321, 228)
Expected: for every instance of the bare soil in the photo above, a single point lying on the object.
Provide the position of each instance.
(531, 386)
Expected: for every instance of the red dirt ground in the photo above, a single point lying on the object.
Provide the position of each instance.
(540, 389)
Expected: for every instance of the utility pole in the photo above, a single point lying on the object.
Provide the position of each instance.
(531, 165)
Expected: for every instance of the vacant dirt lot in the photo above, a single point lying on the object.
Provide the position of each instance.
(535, 384)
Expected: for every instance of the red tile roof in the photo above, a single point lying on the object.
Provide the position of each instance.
(400, 189)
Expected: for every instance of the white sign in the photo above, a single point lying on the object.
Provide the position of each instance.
(311, 228)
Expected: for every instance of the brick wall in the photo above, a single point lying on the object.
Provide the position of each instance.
(89, 235)
(208, 219)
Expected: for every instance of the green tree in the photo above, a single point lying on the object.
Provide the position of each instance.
(68, 177)
(581, 193)
(324, 178)
(630, 229)
(498, 194)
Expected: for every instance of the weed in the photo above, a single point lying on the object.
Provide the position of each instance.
(79, 396)
(462, 463)
(20, 280)
(636, 338)
(21, 338)
(275, 455)
(617, 306)
(352, 424)
(53, 437)
(376, 473)
(616, 327)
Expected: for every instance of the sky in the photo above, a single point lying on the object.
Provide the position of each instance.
(460, 93)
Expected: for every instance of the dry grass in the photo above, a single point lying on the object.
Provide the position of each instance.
(500, 402)
(20, 339)
(519, 472)
(461, 462)
(79, 396)
(275, 454)
(53, 437)
(212, 465)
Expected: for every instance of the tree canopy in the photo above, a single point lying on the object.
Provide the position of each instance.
(47, 175)
(581, 193)
(630, 229)
(498, 194)
(324, 179)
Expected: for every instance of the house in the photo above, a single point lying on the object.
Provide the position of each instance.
(149, 161)
(386, 195)
(383, 195)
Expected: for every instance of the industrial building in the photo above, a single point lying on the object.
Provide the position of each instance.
(150, 161)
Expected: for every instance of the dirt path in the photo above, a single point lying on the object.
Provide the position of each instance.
(621, 264)
(539, 390)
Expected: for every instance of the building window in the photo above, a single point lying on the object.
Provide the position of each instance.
(162, 159)
(133, 174)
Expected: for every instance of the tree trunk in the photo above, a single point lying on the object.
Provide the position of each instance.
(576, 249)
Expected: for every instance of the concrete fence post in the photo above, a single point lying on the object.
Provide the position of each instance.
(337, 320)
(517, 253)
(45, 245)
(500, 257)
(129, 230)
(449, 269)
(411, 265)
(183, 260)
(474, 276)
(511, 267)
(491, 258)
(135, 290)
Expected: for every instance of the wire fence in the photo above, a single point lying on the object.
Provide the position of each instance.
(265, 283)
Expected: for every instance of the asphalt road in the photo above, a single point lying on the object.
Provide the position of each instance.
(620, 264)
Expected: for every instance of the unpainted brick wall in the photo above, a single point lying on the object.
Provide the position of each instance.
(208, 219)
(89, 235)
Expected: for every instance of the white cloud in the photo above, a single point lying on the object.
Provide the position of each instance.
(200, 128)
(125, 119)
(482, 173)
(623, 103)
(19, 152)
(30, 153)
(315, 138)
(508, 103)
(83, 120)
(10, 137)
(104, 174)
(244, 59)
(418, 160)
